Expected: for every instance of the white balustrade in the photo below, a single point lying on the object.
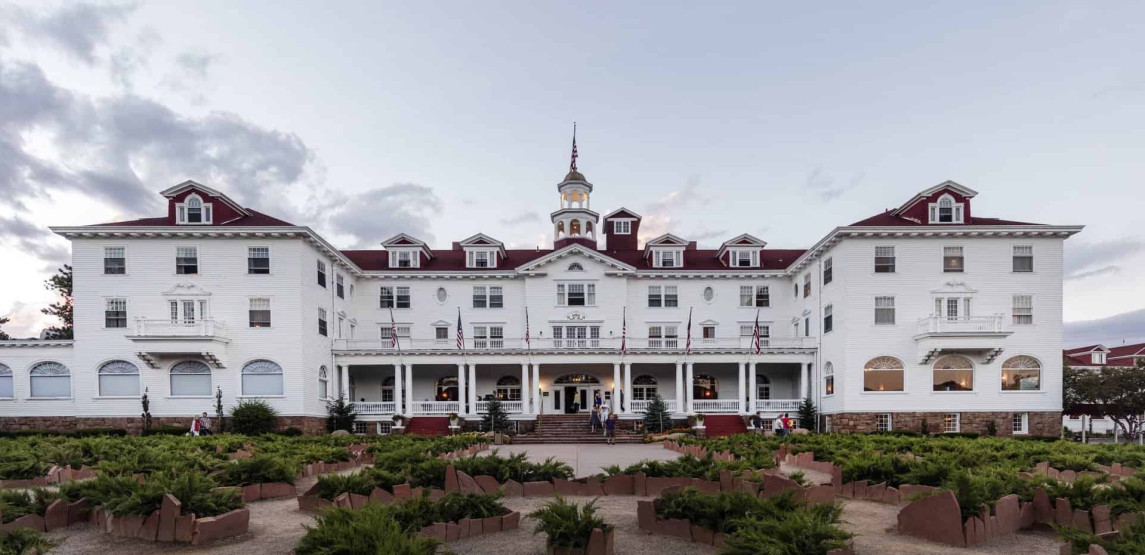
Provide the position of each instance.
(973, 324)
(716, 405)
(370, 408)
(777, 405)
(641, 406)
(541, 344)
(175, 328)
(435, 407)
(511, 407)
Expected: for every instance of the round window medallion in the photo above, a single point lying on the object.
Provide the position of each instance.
(709, 294)
(441, 295)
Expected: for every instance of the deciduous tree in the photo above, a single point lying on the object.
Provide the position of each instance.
(1118, 393)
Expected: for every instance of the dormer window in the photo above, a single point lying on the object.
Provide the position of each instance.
(745, 258)
(621, 227)
(481, 259)
(405, 259)
(668, 259)
(1099, 358)
(946, 211)
(193, 211)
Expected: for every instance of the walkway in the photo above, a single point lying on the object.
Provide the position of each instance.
(587, 460)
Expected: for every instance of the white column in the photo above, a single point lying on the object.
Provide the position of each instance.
(627, 388)
(679, 387)
(462, 392)
(803, 381)
(538, 399)
(473, 386)
(688, 386)
(344, 381)
(752, 388)
(742, 403)
(398, 389)
(525, 389)
(409, 388)
(615, 404)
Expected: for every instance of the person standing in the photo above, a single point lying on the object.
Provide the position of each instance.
(195, 426)
(786, 425)
(610, 429)
(204, 425)
(756, 421)
(594, 419)
(605, 412)
(777, 427)
(596, 401)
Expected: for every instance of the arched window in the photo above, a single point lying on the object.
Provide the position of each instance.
(509, 388)
(588, 228)
(576, 267)
(388, 390)
(953, 373)
(190, 378)
(560, 229)
(323, 383)
(644, 388)
(262, 377)
(1021, 373)
(446, 389)
(573, 379)
(194, 209)
(828, 379)
(883, 374)
(118, 378)
(762, 387)
(705, 387)
(7, 387)
(50, 380)
(574, 228)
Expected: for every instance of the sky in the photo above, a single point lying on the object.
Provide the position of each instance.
(444, 119)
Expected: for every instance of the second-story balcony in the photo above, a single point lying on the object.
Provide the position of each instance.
(158, 338)
(584, 344)
(977, 335)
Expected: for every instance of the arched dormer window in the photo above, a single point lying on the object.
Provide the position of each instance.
(588, 228)
(508, 388)
(323, 384)
(193, 211)
(946, 211)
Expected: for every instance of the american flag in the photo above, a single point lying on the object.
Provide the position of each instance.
(460, 332)
(527, 344)
(688, 344)
(572, 164)
(624, 332)
(755, 334)
(393, 331)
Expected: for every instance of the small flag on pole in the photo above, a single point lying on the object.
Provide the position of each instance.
(624, 331)
(688, 344)
(527, 344)
(572, 163)
(755, 342)
(393, 331)
(460, 332)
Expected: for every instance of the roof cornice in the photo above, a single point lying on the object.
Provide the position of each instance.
(32, 343)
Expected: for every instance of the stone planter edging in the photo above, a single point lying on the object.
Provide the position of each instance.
(466, 452)
(651, 523)
(446, 532)
(255, 492)
(1115, 472)
(698, 451)
(599, 543)
(56, 475)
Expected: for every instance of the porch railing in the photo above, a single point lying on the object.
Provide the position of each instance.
(370, 408)
(974, 324)
(777, 405)
(641, 406)
(434, 407)
(511, 407)
(716, 405)
(635, 344)
(145, 327)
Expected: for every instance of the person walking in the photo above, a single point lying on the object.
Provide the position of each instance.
(605, 413)
(757, 421)
(204, 425)
(777, 427)
(195, 426)
(610, 429)
(786, 425)
(596, 400)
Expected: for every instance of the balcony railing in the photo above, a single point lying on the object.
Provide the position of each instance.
(168, 328)
(974, 324)
(777, 405)
(716, 405)
(541, 344)
(434, 407)
(371, 408)
(641, 406)
(511, 407)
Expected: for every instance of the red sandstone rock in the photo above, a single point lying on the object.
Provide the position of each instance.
(599, 543)
(169, 510)
(435, 494)
(1063, 512)
(184, 528)
(1081, 521)
(1009, 511)
(892, 496)
(910, 491)
(252, 492)
(1027, 515)
(646, 516)
(1043, 507)
(593, 487)
(343, 500)
(225, 525)
(1067, 476)
(538, 489)
(56, 515)
(640, 484)
(402, 492)
(466, 484)
(512, 488)
(875, 492)
(819, 494)
(1095, 549)
(463, 529)
(78, 511)
(936, 518)
(511, 521)
(357, 500)
(381, 497)
(971, 532)
(452, 532)
(277, 490)
(1101, 521)
(725, 480)
(488, 484)
(308, 502)
(702, 535)
(476, 527)
(566, 488)
(621, 484)
(491, 525)
(32, 521)
(774, 485)
(150, 527)
(861, 489)
(680, 528)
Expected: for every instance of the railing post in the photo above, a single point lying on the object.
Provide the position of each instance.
(688, 384)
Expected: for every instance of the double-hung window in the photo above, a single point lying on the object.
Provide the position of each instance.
(258, 260)
(665, 296)
(114, 260)
(115, 313)
(488, 297)
(260, 313)
(1023, 258)
(339, 286)
(441, 335)
(187, 260)
(387, 333)
(828, 318)
(828, 271)
(745, 258)
(952, 260)
(754, 296)
(1023, 310)
(496, 297)
(708, 333)
(481, 259)
(578, 294)
(322, 273)
(621, 227)
(806, 285)
(322, 321)
(885, 311)
(662, 337)
(884, 260)
(480, 297)
(488, 337)
(405, 259)
(394, 297)
(668, 259)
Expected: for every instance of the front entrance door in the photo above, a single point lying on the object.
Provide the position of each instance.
(573, 401)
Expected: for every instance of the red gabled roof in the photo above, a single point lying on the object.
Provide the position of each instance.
(1122, 351)
(705, 259)
(886, 219)
(442, 261)
(1122, 355)
(256, 219)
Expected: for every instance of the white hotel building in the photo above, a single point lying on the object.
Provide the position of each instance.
(926, 312)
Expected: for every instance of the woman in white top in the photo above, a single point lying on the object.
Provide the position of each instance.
(604, 412)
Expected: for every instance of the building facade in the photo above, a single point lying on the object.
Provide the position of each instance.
(1096, 358)
(926, 313)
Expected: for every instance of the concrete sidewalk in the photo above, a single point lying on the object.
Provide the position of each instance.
(587, 460)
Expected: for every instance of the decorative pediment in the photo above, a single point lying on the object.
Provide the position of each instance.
(667, 240)
(482, 240)
(403, 240)
(947, 185)
(742, 241)
(441, 324)
(709, 323)
(954, 287)
(573, 250)
(622, 213)
(186, 289)
(203, 190)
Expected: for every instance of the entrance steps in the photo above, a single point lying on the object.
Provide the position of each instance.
(719, 425)
(570, 428)
(428, 426)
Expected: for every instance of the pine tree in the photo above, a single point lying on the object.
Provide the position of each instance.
(340, 415)
(61, 283)
(495, 419)
(3, 335)
(808, 415)
(657, 418)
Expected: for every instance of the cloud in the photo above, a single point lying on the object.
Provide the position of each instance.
(24, 322)
(1127, 327)
(35, 240)
(196, 64)
(527, 217)
(824, 185)
(1087, 259)
(77, 29)
(126, 61)
(380, 213)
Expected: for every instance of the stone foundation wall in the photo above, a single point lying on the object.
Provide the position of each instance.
(1039, 423)
(310, 425)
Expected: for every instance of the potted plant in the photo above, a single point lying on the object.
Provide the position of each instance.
(699, 419)
(573, 529)
(399, 421)
(453, 419)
